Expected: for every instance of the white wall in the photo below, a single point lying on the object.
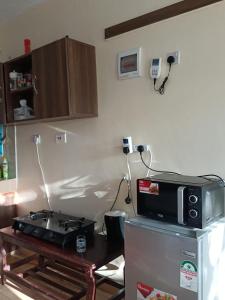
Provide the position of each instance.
(185, 127)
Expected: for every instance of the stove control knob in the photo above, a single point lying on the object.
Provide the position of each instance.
(193, 199)
(193, 213)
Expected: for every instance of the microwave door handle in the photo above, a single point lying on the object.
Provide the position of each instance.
(180, 205)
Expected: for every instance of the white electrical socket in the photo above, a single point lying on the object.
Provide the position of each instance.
(135, 148)
(126, 177)
(61, 138)
(146, 147)
(176, 55)
(36, 139)
(127, 144)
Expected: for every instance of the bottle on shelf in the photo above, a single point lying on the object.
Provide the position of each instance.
(5, 169)
(19, 80)
(13, 80)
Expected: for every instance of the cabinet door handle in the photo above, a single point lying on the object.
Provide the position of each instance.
(180, 205)
(34, 85)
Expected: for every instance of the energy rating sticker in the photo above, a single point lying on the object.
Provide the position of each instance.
(145, 292)
(188, 276)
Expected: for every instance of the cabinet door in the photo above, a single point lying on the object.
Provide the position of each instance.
(50, 80)
(83, 79)
(2, 97)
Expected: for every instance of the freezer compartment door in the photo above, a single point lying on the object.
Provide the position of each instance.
(159, 260)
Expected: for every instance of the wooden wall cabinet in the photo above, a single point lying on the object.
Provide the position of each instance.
(64, 82)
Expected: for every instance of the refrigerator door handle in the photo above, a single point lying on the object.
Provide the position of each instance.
(180, 205)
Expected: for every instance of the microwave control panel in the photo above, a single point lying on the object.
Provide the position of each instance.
(194, 212)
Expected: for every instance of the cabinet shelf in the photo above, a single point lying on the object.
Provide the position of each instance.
(21, 90)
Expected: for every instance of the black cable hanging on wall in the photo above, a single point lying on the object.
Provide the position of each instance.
(161, 89)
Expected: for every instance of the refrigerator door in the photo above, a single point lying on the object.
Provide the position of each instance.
(160, 262)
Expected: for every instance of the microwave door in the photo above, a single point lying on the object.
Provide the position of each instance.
(180, 205)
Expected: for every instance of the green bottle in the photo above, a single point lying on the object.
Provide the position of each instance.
(5, 169)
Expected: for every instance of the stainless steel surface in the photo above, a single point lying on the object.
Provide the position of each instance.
(155, 250)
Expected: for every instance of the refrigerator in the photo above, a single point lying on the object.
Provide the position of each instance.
(169, 262)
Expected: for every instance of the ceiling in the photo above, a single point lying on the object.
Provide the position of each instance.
(12, 8)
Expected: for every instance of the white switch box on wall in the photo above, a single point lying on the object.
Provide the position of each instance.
(61, 138)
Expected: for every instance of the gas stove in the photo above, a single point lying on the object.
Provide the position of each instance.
(54, 227)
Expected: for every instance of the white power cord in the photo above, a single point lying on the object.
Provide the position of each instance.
(129, 172)
(43, 178)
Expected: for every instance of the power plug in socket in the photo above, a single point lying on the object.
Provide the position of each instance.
(128, 200)
(176, 55)
(61, 138)
(36, 139)
(126, 177)
(127, 145)
(145, 146)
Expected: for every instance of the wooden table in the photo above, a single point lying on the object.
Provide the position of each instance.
(63, 261)
(7, 213)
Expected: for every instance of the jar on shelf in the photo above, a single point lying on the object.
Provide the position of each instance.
(13, 80)
(20, 80)
(28, 79)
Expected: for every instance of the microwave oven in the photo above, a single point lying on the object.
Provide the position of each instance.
(186, 200)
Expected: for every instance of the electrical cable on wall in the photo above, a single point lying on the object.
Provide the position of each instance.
(161, 89)
(206, 176)
(43, 178)
(150, 163)
(129, 185)
(114, 202)
(129, 198)
(117, 194)
(154, 170)
(209, 177)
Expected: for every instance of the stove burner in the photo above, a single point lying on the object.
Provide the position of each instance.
(44, 214)
(74, 224)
